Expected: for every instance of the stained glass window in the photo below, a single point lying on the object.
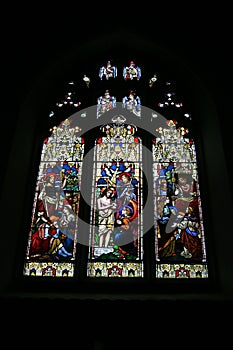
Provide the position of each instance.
(116, 233)
(118, 128)
(180, 243)
(52, 239)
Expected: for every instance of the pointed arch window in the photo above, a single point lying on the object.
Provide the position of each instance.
(116, 244)
(179, 232)
(115, 230)
(52, 239)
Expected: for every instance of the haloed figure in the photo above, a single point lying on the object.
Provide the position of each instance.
(106, 207)
(50, 194)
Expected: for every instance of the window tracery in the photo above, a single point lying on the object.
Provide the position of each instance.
(179, 237)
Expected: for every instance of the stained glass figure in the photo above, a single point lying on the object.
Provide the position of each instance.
(108, 71)
(105, 103)
(132, 72)
(132, 103)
